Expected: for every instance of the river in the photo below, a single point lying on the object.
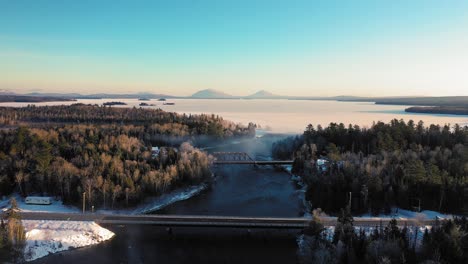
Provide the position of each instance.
(239, 190)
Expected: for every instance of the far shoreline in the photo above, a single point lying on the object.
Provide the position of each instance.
(443, 110)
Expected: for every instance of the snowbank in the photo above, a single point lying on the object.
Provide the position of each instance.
(155, 204)
(46, 237)
(399, 213)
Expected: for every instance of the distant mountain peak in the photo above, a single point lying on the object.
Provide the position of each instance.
(210, 93)
(263, 94)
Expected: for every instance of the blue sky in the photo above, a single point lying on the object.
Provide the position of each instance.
(287, 47)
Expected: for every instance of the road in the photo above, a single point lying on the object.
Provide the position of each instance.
(211, 221)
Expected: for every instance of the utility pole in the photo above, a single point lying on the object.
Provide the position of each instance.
(84, 202)
(350, 197)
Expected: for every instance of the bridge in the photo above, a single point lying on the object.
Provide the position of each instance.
(211, 221)
(243, 158)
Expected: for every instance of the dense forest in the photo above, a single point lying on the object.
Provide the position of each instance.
(108, 154)
(398, 164)
(445, 242)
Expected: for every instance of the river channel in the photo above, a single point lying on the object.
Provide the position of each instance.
(238, 190)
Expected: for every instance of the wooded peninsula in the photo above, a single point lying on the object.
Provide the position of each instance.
(447, 110)
(107, 152)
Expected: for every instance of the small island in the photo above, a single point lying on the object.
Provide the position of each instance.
(146, 104)
(144, 99)
(113, 103)
(447, 110)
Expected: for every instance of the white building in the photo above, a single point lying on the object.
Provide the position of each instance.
(322, 165)
(155, 152)
(38, 200)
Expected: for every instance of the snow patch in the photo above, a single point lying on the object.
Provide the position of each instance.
(155, 204)
(44, 237)
(56, 207)
(399, 213)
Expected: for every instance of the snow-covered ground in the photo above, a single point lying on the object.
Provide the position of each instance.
(56, 206)
(157, 203)
(148, 206)
(415, 233)
(46, 237)
(399, 213)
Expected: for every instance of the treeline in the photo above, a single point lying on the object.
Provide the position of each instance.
(113, 164)
(443, 243)
(398, 164)
(206, 125)
(447, 110)
(31, 99)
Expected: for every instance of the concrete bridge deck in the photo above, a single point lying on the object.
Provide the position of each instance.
(210, 221)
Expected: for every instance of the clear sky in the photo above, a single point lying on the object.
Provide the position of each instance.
(323, 48)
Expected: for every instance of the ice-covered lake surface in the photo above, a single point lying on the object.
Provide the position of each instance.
(284, 116)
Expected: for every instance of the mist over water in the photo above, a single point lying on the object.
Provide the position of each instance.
(284, 116)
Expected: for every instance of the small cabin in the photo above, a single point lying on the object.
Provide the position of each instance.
(155, 152)
(38, 200)
(322, 165)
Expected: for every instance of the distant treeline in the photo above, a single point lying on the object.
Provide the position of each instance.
(31, 99)
(447, 110)
(207, 125)
(427, 101)
(395, 164)
(460, 101)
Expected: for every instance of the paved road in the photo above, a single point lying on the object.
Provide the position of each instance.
(210, 221)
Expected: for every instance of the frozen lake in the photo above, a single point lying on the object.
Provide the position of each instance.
(284, 116)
